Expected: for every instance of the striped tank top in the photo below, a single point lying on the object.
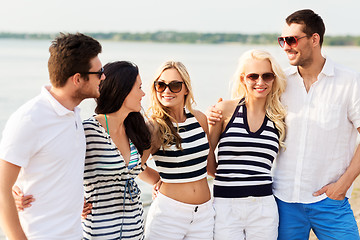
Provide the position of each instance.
(187, 165)
(245, 158)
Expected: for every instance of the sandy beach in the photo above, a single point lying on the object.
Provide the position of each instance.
(354, 200)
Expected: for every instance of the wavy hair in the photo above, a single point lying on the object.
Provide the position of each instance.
(275, 111)
(161, 114)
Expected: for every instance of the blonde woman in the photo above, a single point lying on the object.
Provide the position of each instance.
(182, 208)
(249, 136)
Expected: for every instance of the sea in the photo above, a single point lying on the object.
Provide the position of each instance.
(23, 71)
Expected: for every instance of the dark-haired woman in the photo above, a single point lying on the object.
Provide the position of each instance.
(116, 139)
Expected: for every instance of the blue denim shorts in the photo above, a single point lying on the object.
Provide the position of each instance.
(329, 219)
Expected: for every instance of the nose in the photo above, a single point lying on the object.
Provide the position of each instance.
(167, 89)
(260, 81)
(286, 46)
(143, 93)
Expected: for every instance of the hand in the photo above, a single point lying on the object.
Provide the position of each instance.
(21, 201)
(86, 209)
(213, 115)
(332, 191)
(156, 188)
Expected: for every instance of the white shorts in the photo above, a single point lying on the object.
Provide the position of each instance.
(169, 219)
(251, 218)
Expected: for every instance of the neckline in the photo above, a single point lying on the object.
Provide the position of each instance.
(246, 123)
(113, 144)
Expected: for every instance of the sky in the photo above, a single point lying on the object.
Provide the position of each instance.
(341, 17)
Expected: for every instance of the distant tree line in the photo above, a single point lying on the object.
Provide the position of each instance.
(191, 37)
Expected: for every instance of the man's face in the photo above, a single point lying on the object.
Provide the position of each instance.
(300, 53)
(90, 88)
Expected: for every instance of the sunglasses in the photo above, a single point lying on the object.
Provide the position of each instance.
(266, 77)
(292, 41)
(100, 73)
(174, 86)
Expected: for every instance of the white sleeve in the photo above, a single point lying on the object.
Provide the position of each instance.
(19, 140)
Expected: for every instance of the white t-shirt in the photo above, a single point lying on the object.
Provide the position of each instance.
(47, 141)
(321, 132)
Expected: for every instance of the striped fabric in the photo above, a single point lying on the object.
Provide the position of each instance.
(245, 158)
(189, 164)
(110, 187)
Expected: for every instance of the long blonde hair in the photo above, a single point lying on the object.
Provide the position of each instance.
(275, 111)
(161, 114)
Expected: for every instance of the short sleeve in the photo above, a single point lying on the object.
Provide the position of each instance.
(19, 140)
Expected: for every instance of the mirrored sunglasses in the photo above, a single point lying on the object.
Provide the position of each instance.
(292, 41)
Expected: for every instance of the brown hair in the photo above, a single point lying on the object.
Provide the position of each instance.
(312, 22)
(70, 54)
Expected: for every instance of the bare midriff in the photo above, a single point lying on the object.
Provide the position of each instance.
(191, 192)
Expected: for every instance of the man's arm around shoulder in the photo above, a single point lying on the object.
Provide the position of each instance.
(9, 219)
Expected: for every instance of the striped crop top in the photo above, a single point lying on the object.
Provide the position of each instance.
(187, 165)
(245, 158)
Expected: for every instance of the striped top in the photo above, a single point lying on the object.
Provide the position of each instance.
(187, 165)
(245, 158)
(110, 187)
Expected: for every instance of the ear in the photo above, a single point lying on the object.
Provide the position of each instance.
(76, 79)
(242, 78)
(187, 90)
(315, 39)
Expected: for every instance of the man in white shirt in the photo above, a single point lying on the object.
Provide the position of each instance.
(314, 175)
(43, 146)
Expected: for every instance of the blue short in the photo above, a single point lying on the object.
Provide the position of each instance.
(329, 219)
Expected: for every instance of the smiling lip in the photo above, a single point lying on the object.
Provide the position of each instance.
(167, 97)
(291, 55)
(260, 90)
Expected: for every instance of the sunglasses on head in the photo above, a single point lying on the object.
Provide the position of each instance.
(174, 86)
(100, 73)
(292, 41)
(266, 77)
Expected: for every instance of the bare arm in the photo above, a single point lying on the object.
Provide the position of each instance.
(150, 176)
(9, 218)
(213, 133)
(338, 189)
(214, 136)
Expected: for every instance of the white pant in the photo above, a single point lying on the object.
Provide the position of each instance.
(169, 219)
(251, 218)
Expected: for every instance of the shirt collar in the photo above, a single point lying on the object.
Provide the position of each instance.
(58, 107)
(327, 70)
